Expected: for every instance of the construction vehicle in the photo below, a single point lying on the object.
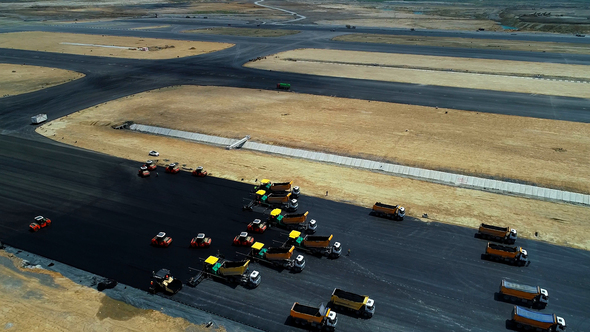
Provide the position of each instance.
(315, 245)
(531, 295)
(534, 320)
(362, 305)
(143, 172)
(280, 257)
(321, 318)
(509, 254)
(394, 212)
(227, 271)
(293, 221)
(268, 186)
(273, 200)
(39, 118)
(164, 281)
(40, 222)
(283, 86)
(172, 168)
(201, 241)
(243, 240)
(257, 226)
(151, 165)
(161, 240)
(200, 172)
(496, 233)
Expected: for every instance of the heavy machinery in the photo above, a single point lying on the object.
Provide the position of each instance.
(151, 165)
(509, 254)
(496, 233)
(531, 295)
(243, 240)
(228, 272)
(200, 172)
(201, 241)
(394, 212)
(143, 172)
(534, 320)
(321, 318)
(40, 222)
(164, 281)
(257, 226)
(280, 257)
(315, 245)
(293, 221)
(161, 240)
(172, 168)
(268, 186)
(273, 200)
(362, 305)
(283, 86)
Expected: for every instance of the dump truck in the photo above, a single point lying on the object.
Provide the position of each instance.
(39, 118)
(268, 186)
(283, 86)
(509, 254)
(394, 212)
(531, 295)
(277, 256)
(315, 245)
(496, 233)
(164, 281)
(362, 305)
(273, 200)
(321, 318)
(232, 272)
(527, 319)
(292, 221)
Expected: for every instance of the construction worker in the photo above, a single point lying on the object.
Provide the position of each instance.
(348, 253)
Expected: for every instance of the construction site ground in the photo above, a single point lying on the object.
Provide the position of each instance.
(489, 44)
(245, 32)
(108, 46)
(486, 74)
(547, 152)
(18, 79)
(35, 299)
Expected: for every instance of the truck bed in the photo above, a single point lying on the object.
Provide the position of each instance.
(234, 268)
(503, 248)
(496, 228)
(386, 206)
(534, 315)
(306, 310)
(317, 241)
(348, 296)
(519, 287)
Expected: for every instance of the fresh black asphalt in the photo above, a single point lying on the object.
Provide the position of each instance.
(423, 276)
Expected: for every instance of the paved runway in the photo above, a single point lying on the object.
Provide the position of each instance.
(423, 276)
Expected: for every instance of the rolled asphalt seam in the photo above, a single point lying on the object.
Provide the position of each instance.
(450, 179)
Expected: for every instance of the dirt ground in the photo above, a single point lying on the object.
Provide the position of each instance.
(430, 70)
(433, 138)
(27, 304)
(18, 79)
(491, 44)
(244, 32)
(109, 46)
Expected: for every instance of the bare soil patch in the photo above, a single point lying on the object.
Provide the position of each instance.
(246, 32)
(18, 79)
(430, 71)
(507, 45)
(30, 305)
(557, 223)
(108, 46)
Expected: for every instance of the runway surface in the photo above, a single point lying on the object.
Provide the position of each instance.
(423, 276)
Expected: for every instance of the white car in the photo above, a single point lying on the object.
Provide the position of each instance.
(154, 153)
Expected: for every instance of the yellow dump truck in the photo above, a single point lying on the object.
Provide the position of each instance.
(315, 245)
(293, 221)
(227, 271)
(321, 318)
(272, 200)
(497, 233)
(362, 305)
(277, 256)
(531, 295)
(508, 254)
(394, 212)
(534, 320)
(265, 184)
